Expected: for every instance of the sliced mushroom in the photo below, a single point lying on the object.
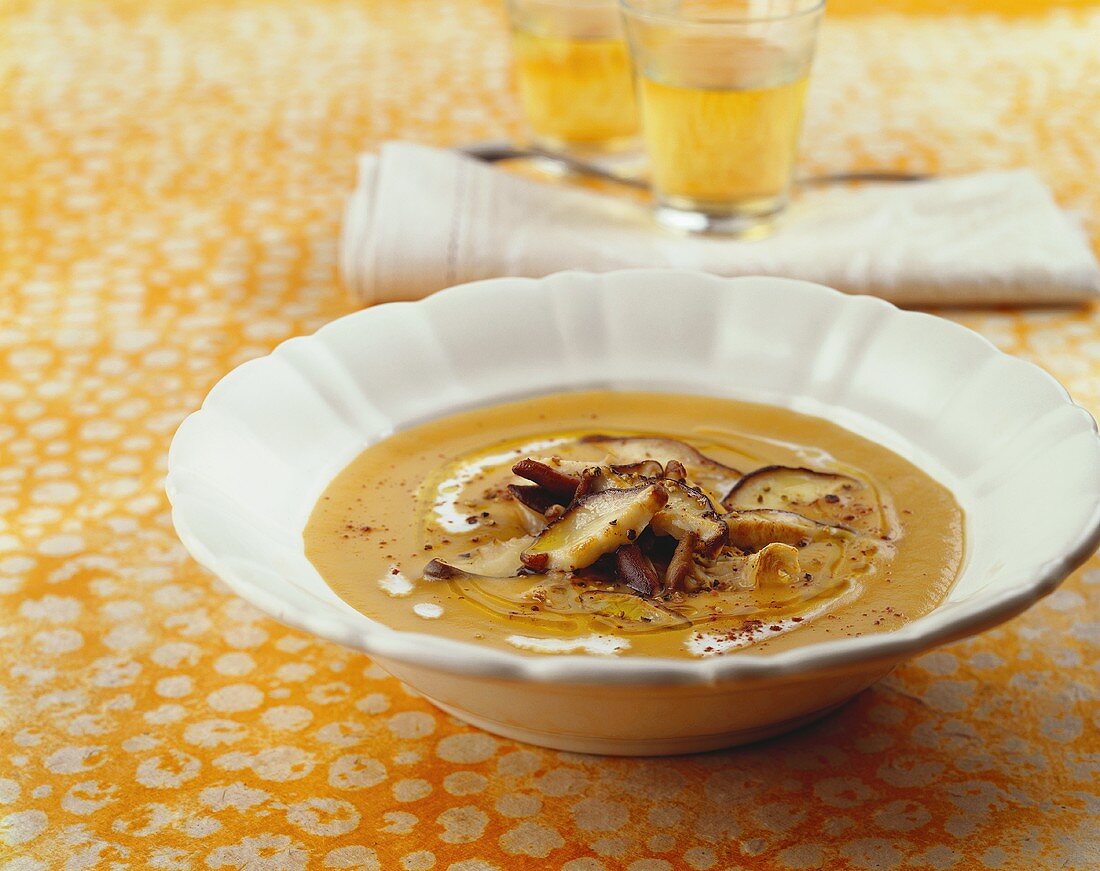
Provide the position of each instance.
(591, 476)
(724, 571)
(531, 519)
(437, 570)
(759, 527)
(827, 497)
(689, 511)
(630, 613)
(557, 483)
(701, 469)
(775, 572)
(593, 525)
(675, 470)
(682, 562)
(537, 498)
(636, 570)
(643, 469)
(566, 467)
(596, 479)
(494, 559)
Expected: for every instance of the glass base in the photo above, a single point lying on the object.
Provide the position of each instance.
(751, 220)
(611, 149)
(626, 166)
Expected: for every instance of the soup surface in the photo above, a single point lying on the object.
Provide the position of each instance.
(636, 524)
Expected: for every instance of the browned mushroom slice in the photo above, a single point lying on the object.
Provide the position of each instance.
(682, 562)
(827, 497)
(437, 570)
(557, 483)
(701, 469)
(594, 525)
(494, 559)
(689, 511)
(531, 520)
(629, 613)
(759, 527)
(537, 498)
(636, 570)
(595, 479)
(573, 468)
(643, 469)
(688, 508)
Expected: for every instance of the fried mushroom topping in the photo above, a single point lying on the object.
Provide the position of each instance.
(553, 481)
(630, 539)
(593, 525)
(753, 529)
(701, 469)
(827, 497)
(636, 570)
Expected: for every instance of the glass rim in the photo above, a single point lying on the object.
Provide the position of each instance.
(635, 9)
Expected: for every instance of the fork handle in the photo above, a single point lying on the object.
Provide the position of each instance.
(494, 151)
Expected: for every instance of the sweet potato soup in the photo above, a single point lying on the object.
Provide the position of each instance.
(636, 524)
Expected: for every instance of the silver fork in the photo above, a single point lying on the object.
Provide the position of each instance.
(493, 151)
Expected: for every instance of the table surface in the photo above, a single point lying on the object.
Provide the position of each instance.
(171, 180)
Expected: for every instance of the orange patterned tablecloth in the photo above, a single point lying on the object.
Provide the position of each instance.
(171, 178)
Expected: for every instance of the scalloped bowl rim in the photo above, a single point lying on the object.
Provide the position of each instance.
(302, 610)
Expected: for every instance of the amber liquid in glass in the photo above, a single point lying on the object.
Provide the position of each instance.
(722, 149)
(576, 92)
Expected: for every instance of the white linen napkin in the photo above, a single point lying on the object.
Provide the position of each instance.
(424, 218)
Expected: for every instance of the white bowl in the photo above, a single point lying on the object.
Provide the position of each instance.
(1021, 458)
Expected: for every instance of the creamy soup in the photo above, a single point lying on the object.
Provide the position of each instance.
(636, 524)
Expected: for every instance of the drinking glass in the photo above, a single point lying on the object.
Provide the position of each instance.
(573, 72)
(721, 86)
